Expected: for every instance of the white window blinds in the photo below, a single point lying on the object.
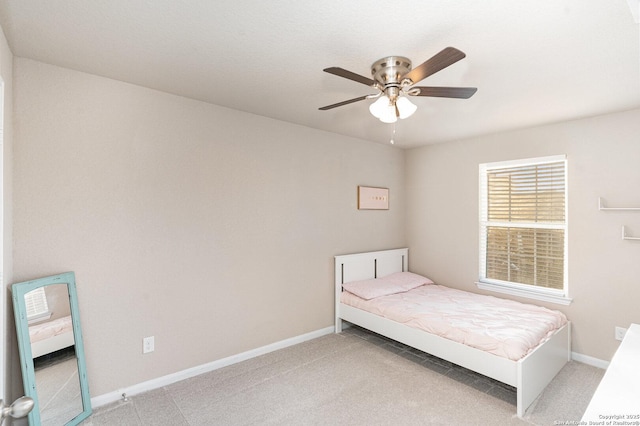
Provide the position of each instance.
(523, 223)
(36, 302)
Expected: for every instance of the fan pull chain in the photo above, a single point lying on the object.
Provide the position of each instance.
(393, 136)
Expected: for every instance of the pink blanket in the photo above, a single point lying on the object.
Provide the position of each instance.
(50, 329)
(502, 327)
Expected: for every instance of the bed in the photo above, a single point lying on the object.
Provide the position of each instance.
(51, 336)
(529, 373)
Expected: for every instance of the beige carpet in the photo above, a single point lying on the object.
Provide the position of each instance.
(354, 378)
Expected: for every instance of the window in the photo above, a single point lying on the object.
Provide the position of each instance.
(37, 306)
(523, 228)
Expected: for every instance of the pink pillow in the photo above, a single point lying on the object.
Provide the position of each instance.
(398, 282)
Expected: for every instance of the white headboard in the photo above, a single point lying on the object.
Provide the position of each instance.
(364, 266)
(375, 264)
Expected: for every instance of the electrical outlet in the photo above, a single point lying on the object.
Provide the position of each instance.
(148, 344)
(620, 332)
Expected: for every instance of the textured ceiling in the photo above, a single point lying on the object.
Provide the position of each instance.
(533, 61)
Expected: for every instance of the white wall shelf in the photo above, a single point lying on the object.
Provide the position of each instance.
(601, 206)
(627, 237)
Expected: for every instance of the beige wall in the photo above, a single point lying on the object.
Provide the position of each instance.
(211, 229)
(604, 161)
(57, 296)
(9, 367)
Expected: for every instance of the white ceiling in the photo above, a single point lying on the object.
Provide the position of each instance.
(533, 61)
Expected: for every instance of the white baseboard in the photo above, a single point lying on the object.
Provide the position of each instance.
(589, 360)
(110, 397)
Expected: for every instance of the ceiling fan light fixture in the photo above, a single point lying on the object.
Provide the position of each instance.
(389, 116)
(378, 108)
(406, 108)
(388, 112)
(383, 110)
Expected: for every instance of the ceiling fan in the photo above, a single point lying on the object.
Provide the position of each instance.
(394, 79)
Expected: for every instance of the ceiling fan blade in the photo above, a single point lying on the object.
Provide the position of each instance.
(341, 72)
(446, 92)
(441, 60)
(350, 101)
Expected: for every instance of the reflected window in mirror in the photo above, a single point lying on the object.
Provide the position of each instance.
(37, 306)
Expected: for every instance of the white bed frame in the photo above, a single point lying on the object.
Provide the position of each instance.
(52, 343)
(530, 375)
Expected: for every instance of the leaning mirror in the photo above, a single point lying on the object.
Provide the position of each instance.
(51, 350)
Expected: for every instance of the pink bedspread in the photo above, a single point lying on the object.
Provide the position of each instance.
(50, 329)
(502, 327)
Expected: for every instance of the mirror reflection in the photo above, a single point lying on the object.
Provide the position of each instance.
(51, 350)
(54, 354)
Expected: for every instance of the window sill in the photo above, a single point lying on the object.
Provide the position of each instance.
(545, 297)
(39, 318)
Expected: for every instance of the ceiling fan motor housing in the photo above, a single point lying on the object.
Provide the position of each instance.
(388, 72)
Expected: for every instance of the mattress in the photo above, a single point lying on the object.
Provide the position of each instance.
(502, 327)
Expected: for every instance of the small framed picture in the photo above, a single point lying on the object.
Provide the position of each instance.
(370, 198)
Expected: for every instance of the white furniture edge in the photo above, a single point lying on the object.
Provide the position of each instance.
(634, 5)
(530, 375)
(169, 379)
(617, 395)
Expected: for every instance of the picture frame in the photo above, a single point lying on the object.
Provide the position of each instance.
(373, 198)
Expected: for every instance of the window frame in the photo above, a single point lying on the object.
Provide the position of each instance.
(513, 288)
